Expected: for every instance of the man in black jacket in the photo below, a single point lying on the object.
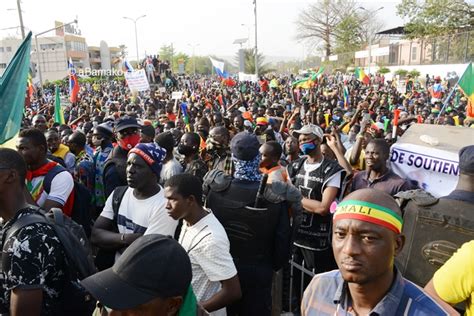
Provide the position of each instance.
(259, 236)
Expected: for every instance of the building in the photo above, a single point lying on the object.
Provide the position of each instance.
(104, 57)
(51, 54)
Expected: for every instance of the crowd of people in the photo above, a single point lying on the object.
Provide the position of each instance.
(192, 205)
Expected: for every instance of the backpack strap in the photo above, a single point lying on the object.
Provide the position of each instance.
(117, 197)
(48, 178)
(22, 222)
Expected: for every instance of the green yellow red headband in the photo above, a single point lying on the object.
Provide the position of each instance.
(369, 212)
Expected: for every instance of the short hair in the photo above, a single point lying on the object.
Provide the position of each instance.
(12, 159)
(186, 185)
(382, 145)
(195, 137)
(166, 141)
(35, 136)
(276, 149)
(78, 138)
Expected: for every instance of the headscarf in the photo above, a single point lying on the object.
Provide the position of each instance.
(247, 169)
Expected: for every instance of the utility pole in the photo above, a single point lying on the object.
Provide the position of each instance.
(256, 48)
(371, 15)
(20, 15)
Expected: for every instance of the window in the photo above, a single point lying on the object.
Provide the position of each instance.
(413, 53)
(1, 49)
(8, 49)
(3, 66)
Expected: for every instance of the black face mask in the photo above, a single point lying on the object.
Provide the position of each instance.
(186, 150)
(204, 133)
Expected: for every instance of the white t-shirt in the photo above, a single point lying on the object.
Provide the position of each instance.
(208, 248)
(140, 216)
(61, 187)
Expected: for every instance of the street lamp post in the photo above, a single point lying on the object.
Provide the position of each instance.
(194, 57)
(256, 48)
(371, 15)
(38, 59)
(136, 35)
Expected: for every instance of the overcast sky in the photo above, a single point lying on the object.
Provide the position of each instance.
(213, 24)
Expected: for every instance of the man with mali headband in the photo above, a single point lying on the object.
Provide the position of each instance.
(366, 237)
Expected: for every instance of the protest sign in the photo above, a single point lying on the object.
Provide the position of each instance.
(247, 77)
(137, 80)
(433, 167)
(177, 95)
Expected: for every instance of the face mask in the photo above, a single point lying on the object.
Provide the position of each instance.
(306, 148)
(129, 141)
(185, 150)
(336, 118)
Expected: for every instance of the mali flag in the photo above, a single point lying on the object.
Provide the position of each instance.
(466, 84)
(58, 111)
(361, 76)
(12, 91)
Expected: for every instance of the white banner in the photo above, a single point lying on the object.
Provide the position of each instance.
(381, 51)
(362, 54)
(333, 57)
(247, 77)
(434, 170)
(137, 80)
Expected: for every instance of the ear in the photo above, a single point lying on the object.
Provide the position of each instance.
(12, 177)
(173, 305)
(399, 243)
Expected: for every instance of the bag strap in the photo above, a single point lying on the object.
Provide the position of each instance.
(117, 198)
(48, 178)
(23, 222)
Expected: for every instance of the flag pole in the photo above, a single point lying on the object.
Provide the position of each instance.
(445, 103)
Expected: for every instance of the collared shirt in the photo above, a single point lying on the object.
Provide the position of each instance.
(328, 295)
(389, 182)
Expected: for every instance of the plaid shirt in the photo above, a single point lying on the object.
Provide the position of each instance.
(223, 162)
(327, 295)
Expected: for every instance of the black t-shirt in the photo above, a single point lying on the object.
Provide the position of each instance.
(33, 259)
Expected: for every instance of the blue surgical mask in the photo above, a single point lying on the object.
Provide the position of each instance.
(306, 148)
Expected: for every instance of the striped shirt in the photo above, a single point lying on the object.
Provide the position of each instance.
(327, 295)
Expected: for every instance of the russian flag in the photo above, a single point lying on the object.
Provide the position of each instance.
(73, 82)
(219, 68)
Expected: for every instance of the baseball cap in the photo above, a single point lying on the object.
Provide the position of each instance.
(309, 129)
(466, 159)
(244, 146)
(126, 122)
(153, 266)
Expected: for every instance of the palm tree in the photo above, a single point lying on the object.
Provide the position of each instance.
(249, 61)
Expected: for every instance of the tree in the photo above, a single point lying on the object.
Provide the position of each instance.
(166, 52)
(249, 60)
(435, 17)
(348, 35)
(319, 21)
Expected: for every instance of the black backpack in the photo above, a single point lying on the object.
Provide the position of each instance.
(82, 204)
(74, 299)
(105, 258)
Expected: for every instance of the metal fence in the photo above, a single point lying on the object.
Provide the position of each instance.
(287, 281)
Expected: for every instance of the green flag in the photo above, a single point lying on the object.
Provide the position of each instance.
(466, 84)
(58, 111)
(13, 90)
